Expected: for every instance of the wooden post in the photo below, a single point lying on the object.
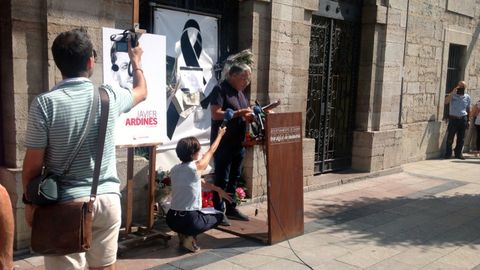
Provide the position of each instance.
(135, 15)
(152, 185)
(128, 222)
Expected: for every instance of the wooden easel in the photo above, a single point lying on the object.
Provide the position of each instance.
(133, 235)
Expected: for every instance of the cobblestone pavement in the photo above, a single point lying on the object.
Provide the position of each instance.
(425, 217)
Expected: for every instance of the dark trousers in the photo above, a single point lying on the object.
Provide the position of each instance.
(478, 136)
(456, 127)
(192, 222)
(228, 169)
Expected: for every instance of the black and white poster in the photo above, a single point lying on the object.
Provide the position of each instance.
(192, 52)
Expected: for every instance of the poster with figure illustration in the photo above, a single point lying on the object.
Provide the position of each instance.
(146, 122)
(192, 52)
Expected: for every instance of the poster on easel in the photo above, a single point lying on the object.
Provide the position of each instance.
(145, 123)
(192, 52)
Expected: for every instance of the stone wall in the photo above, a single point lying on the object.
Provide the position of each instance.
(402, 82)
(432, 27)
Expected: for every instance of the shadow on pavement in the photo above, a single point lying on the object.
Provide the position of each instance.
(420, 219)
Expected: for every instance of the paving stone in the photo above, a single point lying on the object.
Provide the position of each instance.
(367, 257)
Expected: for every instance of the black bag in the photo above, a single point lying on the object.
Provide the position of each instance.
(43, 189)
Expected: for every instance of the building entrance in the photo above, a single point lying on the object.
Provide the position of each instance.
(333, 76)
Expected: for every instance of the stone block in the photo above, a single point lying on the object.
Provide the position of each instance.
(398, 4)
(282, 12)
(394, 53)
(464, 7)
(27, 10)
(28, 39)
(309, 5)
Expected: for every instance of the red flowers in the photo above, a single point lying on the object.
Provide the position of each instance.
(207, 199)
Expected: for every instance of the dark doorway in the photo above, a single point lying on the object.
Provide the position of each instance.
(333, 68)
(456, 55)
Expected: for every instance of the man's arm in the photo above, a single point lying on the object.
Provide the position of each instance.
(32, 165)
(218, 114)
(448, 98)
(139, 83)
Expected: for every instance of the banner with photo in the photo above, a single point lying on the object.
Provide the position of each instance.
(192, 52)
(146, 122)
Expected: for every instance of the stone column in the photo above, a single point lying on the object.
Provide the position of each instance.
(377, 138)
(278, 32)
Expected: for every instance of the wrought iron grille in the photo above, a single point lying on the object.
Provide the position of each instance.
(331, 91)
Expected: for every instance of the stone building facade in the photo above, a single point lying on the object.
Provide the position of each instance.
(401, 73)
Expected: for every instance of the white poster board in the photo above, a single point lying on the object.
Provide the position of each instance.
(145, 123)
(192, 52)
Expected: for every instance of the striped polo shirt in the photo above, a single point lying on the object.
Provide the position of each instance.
(55, 123)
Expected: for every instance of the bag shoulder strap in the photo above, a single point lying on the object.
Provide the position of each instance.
(102, 131)
(93, 113)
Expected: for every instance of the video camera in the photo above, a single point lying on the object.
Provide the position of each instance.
(120, 40)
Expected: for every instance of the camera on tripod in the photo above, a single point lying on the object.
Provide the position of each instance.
(121, 40)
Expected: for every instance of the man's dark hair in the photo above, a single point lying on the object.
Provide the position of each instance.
(186, 147)
(71, 51)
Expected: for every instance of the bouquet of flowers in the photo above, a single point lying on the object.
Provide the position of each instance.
(240, 195)
(207, 199)
(163, 192)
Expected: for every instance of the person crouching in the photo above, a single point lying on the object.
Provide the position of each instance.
(185, 216)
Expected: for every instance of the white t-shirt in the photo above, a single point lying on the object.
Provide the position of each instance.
(186, 187)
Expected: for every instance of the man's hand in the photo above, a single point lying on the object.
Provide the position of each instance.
(135, 54)
(221, 131)
(224, 195)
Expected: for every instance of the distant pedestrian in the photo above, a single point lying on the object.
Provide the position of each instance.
(458, 119)
(6, 231)
(476, 119)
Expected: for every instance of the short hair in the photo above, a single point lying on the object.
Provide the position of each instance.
(186, 147)
(71, 51)
(237, 63)
(238, 69)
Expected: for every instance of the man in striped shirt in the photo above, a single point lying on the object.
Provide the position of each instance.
(55, 122)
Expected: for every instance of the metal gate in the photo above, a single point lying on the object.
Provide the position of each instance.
(333, 68)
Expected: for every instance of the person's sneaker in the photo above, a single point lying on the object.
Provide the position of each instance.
(225, 221)
(460, 157)
(235, 214)
(190, 244)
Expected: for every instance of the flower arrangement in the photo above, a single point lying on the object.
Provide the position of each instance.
(163, 191)
(240, 195)
(207, 199)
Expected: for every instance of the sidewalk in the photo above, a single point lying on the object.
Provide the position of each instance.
(426, 217)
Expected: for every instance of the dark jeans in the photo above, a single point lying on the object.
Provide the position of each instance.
(192, 222)
(456, 127)
(478, 136)
(228, 169)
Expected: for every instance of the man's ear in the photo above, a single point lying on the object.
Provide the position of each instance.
(90, 63)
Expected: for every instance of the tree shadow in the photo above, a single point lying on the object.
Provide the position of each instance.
(421, 219)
